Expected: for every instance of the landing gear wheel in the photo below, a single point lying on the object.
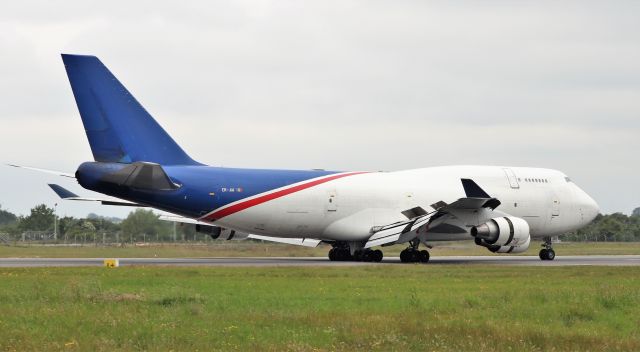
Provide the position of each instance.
(339, 254)
(376, 256)
(551, 254)
(410, 255)
(543, 254)
(366, 256)
(424, 256)
(344, 254)
(547, 254)
(332, 255)
(405, 256)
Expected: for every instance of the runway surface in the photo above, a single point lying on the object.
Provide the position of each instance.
(609, 260)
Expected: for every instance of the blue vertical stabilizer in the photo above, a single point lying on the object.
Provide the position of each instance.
(118, 127)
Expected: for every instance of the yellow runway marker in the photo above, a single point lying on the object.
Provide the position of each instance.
(111, 263)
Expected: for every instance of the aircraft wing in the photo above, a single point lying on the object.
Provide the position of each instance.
(404, 231)
(184, 220)
(306, 242)
(65, 194)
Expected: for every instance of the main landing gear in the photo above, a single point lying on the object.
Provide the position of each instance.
(343, 253)
(413, 255)
(547, 253)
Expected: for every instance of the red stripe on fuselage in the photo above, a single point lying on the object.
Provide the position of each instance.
(271, 196)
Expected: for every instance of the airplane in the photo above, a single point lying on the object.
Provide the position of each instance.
(356, 212)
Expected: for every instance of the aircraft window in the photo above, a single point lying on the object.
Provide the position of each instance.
(567, 179)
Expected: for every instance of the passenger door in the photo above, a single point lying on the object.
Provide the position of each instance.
(332, 201)
(511, 177)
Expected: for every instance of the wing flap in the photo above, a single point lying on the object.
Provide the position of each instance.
(305, 242)
(182, 219)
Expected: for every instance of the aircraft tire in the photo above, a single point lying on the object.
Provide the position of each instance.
(332, 255)
(410, 255)
(543, 254)
(551, 254)
(376, 256)
(424, 256)
(404, 256)
(344, 255)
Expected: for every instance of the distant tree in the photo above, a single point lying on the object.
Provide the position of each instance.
(40, 219)
(6, 217)
(141, 221)
(112, 219)
(66, 224)
(611, 227)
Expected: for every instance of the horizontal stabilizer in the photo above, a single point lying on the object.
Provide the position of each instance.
(57, 173)
(68, 195)
(62, 192)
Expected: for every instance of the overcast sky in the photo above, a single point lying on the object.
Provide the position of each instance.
(346, 85)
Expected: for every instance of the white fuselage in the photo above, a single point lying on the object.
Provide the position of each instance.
(346, 209)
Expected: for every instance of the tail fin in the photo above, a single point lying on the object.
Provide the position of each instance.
(119, 129)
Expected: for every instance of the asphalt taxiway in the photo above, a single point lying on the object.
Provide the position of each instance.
(607, 260)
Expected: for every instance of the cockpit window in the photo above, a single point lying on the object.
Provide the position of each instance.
(567, 179)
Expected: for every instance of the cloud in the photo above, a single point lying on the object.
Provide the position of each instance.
(342, 84)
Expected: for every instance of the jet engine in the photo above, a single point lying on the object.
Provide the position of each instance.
(503, 235)
(219, 233)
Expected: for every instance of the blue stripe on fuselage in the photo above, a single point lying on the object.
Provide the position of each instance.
(199, 183)
(202, 188)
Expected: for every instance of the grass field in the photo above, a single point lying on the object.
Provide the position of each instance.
(380, 308)
(253, 249)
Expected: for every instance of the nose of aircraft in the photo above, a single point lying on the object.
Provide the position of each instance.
(588, 206)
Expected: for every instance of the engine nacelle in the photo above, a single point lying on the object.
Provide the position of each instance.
(511, 249)
(503, 235)
(219, 233)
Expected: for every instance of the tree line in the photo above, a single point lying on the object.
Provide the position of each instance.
(144, 225)
(139, 225)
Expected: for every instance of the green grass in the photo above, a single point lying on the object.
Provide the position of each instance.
(379, 308)
(253, 249)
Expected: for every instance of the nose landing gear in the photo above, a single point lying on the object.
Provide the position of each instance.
(547, 253)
